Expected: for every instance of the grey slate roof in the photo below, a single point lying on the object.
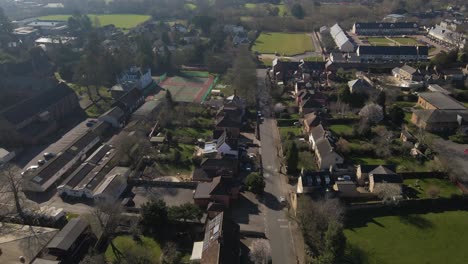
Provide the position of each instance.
(318, 132)
(442, 101)
(394, 50)
(68, 235)
(440, 116)
(386, 25)
(339, 36)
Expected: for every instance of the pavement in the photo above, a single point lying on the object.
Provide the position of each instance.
(279, 229)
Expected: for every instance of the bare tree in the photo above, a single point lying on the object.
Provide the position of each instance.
(372, 113)
(260, 252)
(11, 192)
(389, 193)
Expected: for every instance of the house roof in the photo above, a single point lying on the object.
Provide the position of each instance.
(393, 50)
(97, 155)
(386, 25)
(78, 175)
(339, 36)
(442, 101)
(317, 132)
(369, 168)
(438, 88)
(312, 119)
(382, 170)
(131, 97)
(51, 168)
(218, 186)
(34, 105)
(358, 83)
(232, 143)
(82, 142)
(69, 234)
(113, 181)
(325, 148)
(225, 121)
(115, 112)
(440, 116)
(408, 69)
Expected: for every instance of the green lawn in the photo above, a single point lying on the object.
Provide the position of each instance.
(190, 6)
(283, 9)
(191, 132)
(313, 59)
(297, 131)
(368, 161)
(125, 244)
(376, 41)
(427, 238)
(287, 44)
(447, 188)
(123, 21)
(342, 130)
(306, 160)
(406, 41)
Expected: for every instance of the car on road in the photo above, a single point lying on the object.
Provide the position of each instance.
(29, 169)
(48, 155)
(41, 162)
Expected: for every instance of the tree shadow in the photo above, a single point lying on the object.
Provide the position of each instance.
(411, 193)
(270, 201)
(242, 208)
(417, 221)
(355, 255)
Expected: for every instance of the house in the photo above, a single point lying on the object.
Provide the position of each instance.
(315, 135)
(381, 177)
(310, 101)
(438, 89)
(114, 116)
(6, 156)
(227, 146)
(342, 41)
(363, 172)
(135, 77)
(50, 43)
(31, 120)
(407, 72)
(130, 101)
(446, 34)
(21, 243)
(385, 28)
(220, 189)
(50, 27)
(219, 166)
(311, 120)
(372, 54)
(359, 86)
(453, 74)
(69, 243)
(282, 71)
(447, 121)
(113, 185)
(221, 243)
(326, 155)
(439, 101)
(230, 117)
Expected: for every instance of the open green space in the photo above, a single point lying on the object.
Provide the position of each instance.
(316, 58)
(421, 186)
(376, 41)
(125, 244)
(287, 44)
(190, 6)
(425, 238)
(342, 130)
(190, 132)
(283, 9)
(306, 160)
(406, 41)
(284, 131)
(123, 21)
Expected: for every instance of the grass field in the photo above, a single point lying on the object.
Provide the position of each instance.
(427, 238)
(123, 21)
(342, 130)
(147, 247)
(284, 131)
(447, 189)
(283, 43)
(380, 42)
(406, 41)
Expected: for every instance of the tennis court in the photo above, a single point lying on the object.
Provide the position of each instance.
(189, 86)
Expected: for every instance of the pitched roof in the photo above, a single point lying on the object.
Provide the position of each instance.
(33, 106)
(51, 168)
(358, 83)
(393, 50)
(408, 69)
(69, 234)
(115, 112)
(232, 143)
(312, 119)
(382, 170)
(339, 36)
(442, 101)
(131, 97)
(317, 132)
(386, 25)
(440, 116)
(225, 121)
(368, 168)
(218, 186)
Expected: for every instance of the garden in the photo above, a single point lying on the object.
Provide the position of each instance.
(285, 44)
(123, 21)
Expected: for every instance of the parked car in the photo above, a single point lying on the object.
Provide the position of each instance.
(41, 162)
(48, 155)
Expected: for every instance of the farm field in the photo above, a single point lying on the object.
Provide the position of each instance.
(123, 21)
(422, 238)
(287, 44)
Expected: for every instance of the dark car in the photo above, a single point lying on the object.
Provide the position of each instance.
(48, 155)
(41, 162)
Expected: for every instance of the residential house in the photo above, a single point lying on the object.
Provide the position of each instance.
(342, 41)
(446, 32)
(382, 177)
(372, 54)
(135, 77)
(408, 73)
(363, 172)
(359, 86)
(439, 101)
(220, 189)
(283, 71)
(326, 155)
(51, 27)
(311, 120)
(227, 146)
(221, 243)
(438, 89)
(316, 134)
(31, 120)
(130, 101)
(70, 243)
(114, 116)
(446, 121)
(385, 28)
(27, 35)
(211, 167)
(50, 43)
(310, 101)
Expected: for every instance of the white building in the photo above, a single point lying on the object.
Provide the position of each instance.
(341, 39)
(135, 77)
(113, 185)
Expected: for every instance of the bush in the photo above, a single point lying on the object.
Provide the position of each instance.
(459, 138)
(255, 183)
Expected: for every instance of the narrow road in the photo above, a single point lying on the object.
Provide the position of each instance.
(278, 226)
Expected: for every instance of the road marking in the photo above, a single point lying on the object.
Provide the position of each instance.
(266, 175)
(284, 226)
(282, 220)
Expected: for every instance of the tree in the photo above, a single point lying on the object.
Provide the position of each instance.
(244, 78)
(388, 192)
(381, 100)
(433, 191)
(297, 11)
(343, 146)
(260, 251)
(5, 23)
(397, 115)
(185, 212)
(334, 244)
(170, 254)
(154, 215)
(371, 113)
(255, 183)
(11, 190)
(292, 158)
(204, 23)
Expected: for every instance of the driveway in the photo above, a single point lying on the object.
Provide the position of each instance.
(278, 226)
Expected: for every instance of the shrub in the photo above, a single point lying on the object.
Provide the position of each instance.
(255, 183)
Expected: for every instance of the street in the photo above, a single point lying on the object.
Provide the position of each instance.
(278, 226)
